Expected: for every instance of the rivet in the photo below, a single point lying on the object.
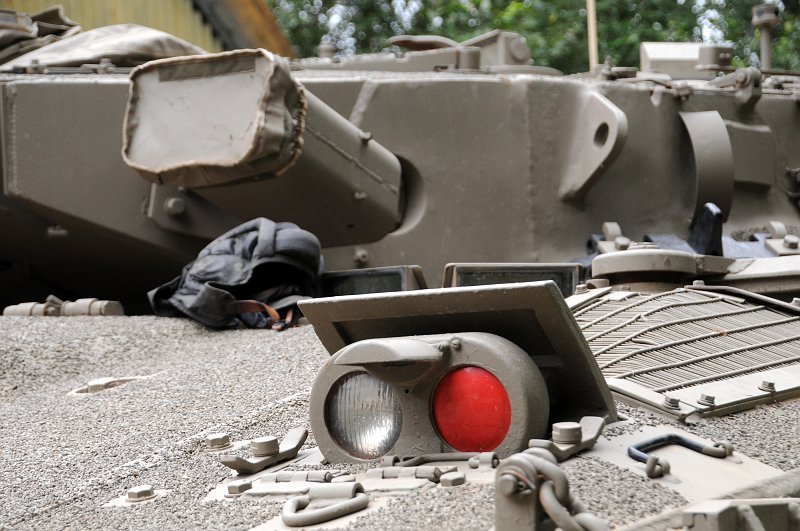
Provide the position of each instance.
(455, 343)
(218, 441)
(567, 433)
(264, 446)
(671, 402)
(359, 195)
(790, 241)
(767, 386)
(622, 243)
(141, 493)
(796, 301)
(239, 486)
(581, 288)
(706, 400)
(699, 283)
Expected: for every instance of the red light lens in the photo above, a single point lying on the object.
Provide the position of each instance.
(471, 410)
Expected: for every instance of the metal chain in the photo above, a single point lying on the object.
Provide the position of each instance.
(554, 496)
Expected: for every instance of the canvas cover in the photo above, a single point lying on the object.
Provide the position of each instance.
(122, 44)
(21, 33)
(213, 119)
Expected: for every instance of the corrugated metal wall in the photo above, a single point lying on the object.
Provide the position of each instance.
(177, 17)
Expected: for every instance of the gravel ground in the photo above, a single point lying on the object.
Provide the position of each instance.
(66, 455)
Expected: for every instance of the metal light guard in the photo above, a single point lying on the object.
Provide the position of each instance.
(523, 333)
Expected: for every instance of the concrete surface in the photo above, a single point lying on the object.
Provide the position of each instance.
(66, 455)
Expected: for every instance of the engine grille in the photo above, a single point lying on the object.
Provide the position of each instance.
(689, 343)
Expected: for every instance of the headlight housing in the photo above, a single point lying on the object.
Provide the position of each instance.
(363, 415)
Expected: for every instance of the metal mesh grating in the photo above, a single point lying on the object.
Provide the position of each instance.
(684, 338)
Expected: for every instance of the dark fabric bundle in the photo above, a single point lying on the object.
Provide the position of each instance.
(255, 264)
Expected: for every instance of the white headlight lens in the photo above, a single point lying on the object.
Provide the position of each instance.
(363, 415)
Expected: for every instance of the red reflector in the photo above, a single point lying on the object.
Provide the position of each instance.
(471, 410)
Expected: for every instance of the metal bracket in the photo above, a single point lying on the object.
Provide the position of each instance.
(602, 128)
(183, 211)
(657, 467)
(747, 82)
(288, 449)
(713, 159)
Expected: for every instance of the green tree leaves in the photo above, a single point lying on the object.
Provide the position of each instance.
(555, 29)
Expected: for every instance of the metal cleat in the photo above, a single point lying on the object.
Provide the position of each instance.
(288, 449)
(570, 438)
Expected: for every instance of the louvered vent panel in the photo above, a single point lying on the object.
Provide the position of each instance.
(676, 340)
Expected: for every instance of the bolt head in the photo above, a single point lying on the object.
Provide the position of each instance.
(361, 257)
(706, 400)
(175, 207)
(507, 485)
(519, 49)
(698, 283)
(239, 486)
(670, 402)
(767, 386)
(567, 433)
(622, 243)
(581, 288)
(218, 441)
(790, 241)
(264, 446)
(141, 493)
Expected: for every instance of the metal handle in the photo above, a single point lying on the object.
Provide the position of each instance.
(657, 467)
(295, 514)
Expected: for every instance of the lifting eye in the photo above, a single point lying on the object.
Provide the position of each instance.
(471, 409)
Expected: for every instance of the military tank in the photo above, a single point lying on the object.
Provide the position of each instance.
(402, 158)
(669, 321)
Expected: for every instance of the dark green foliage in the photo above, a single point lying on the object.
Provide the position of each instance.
(555, 29)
